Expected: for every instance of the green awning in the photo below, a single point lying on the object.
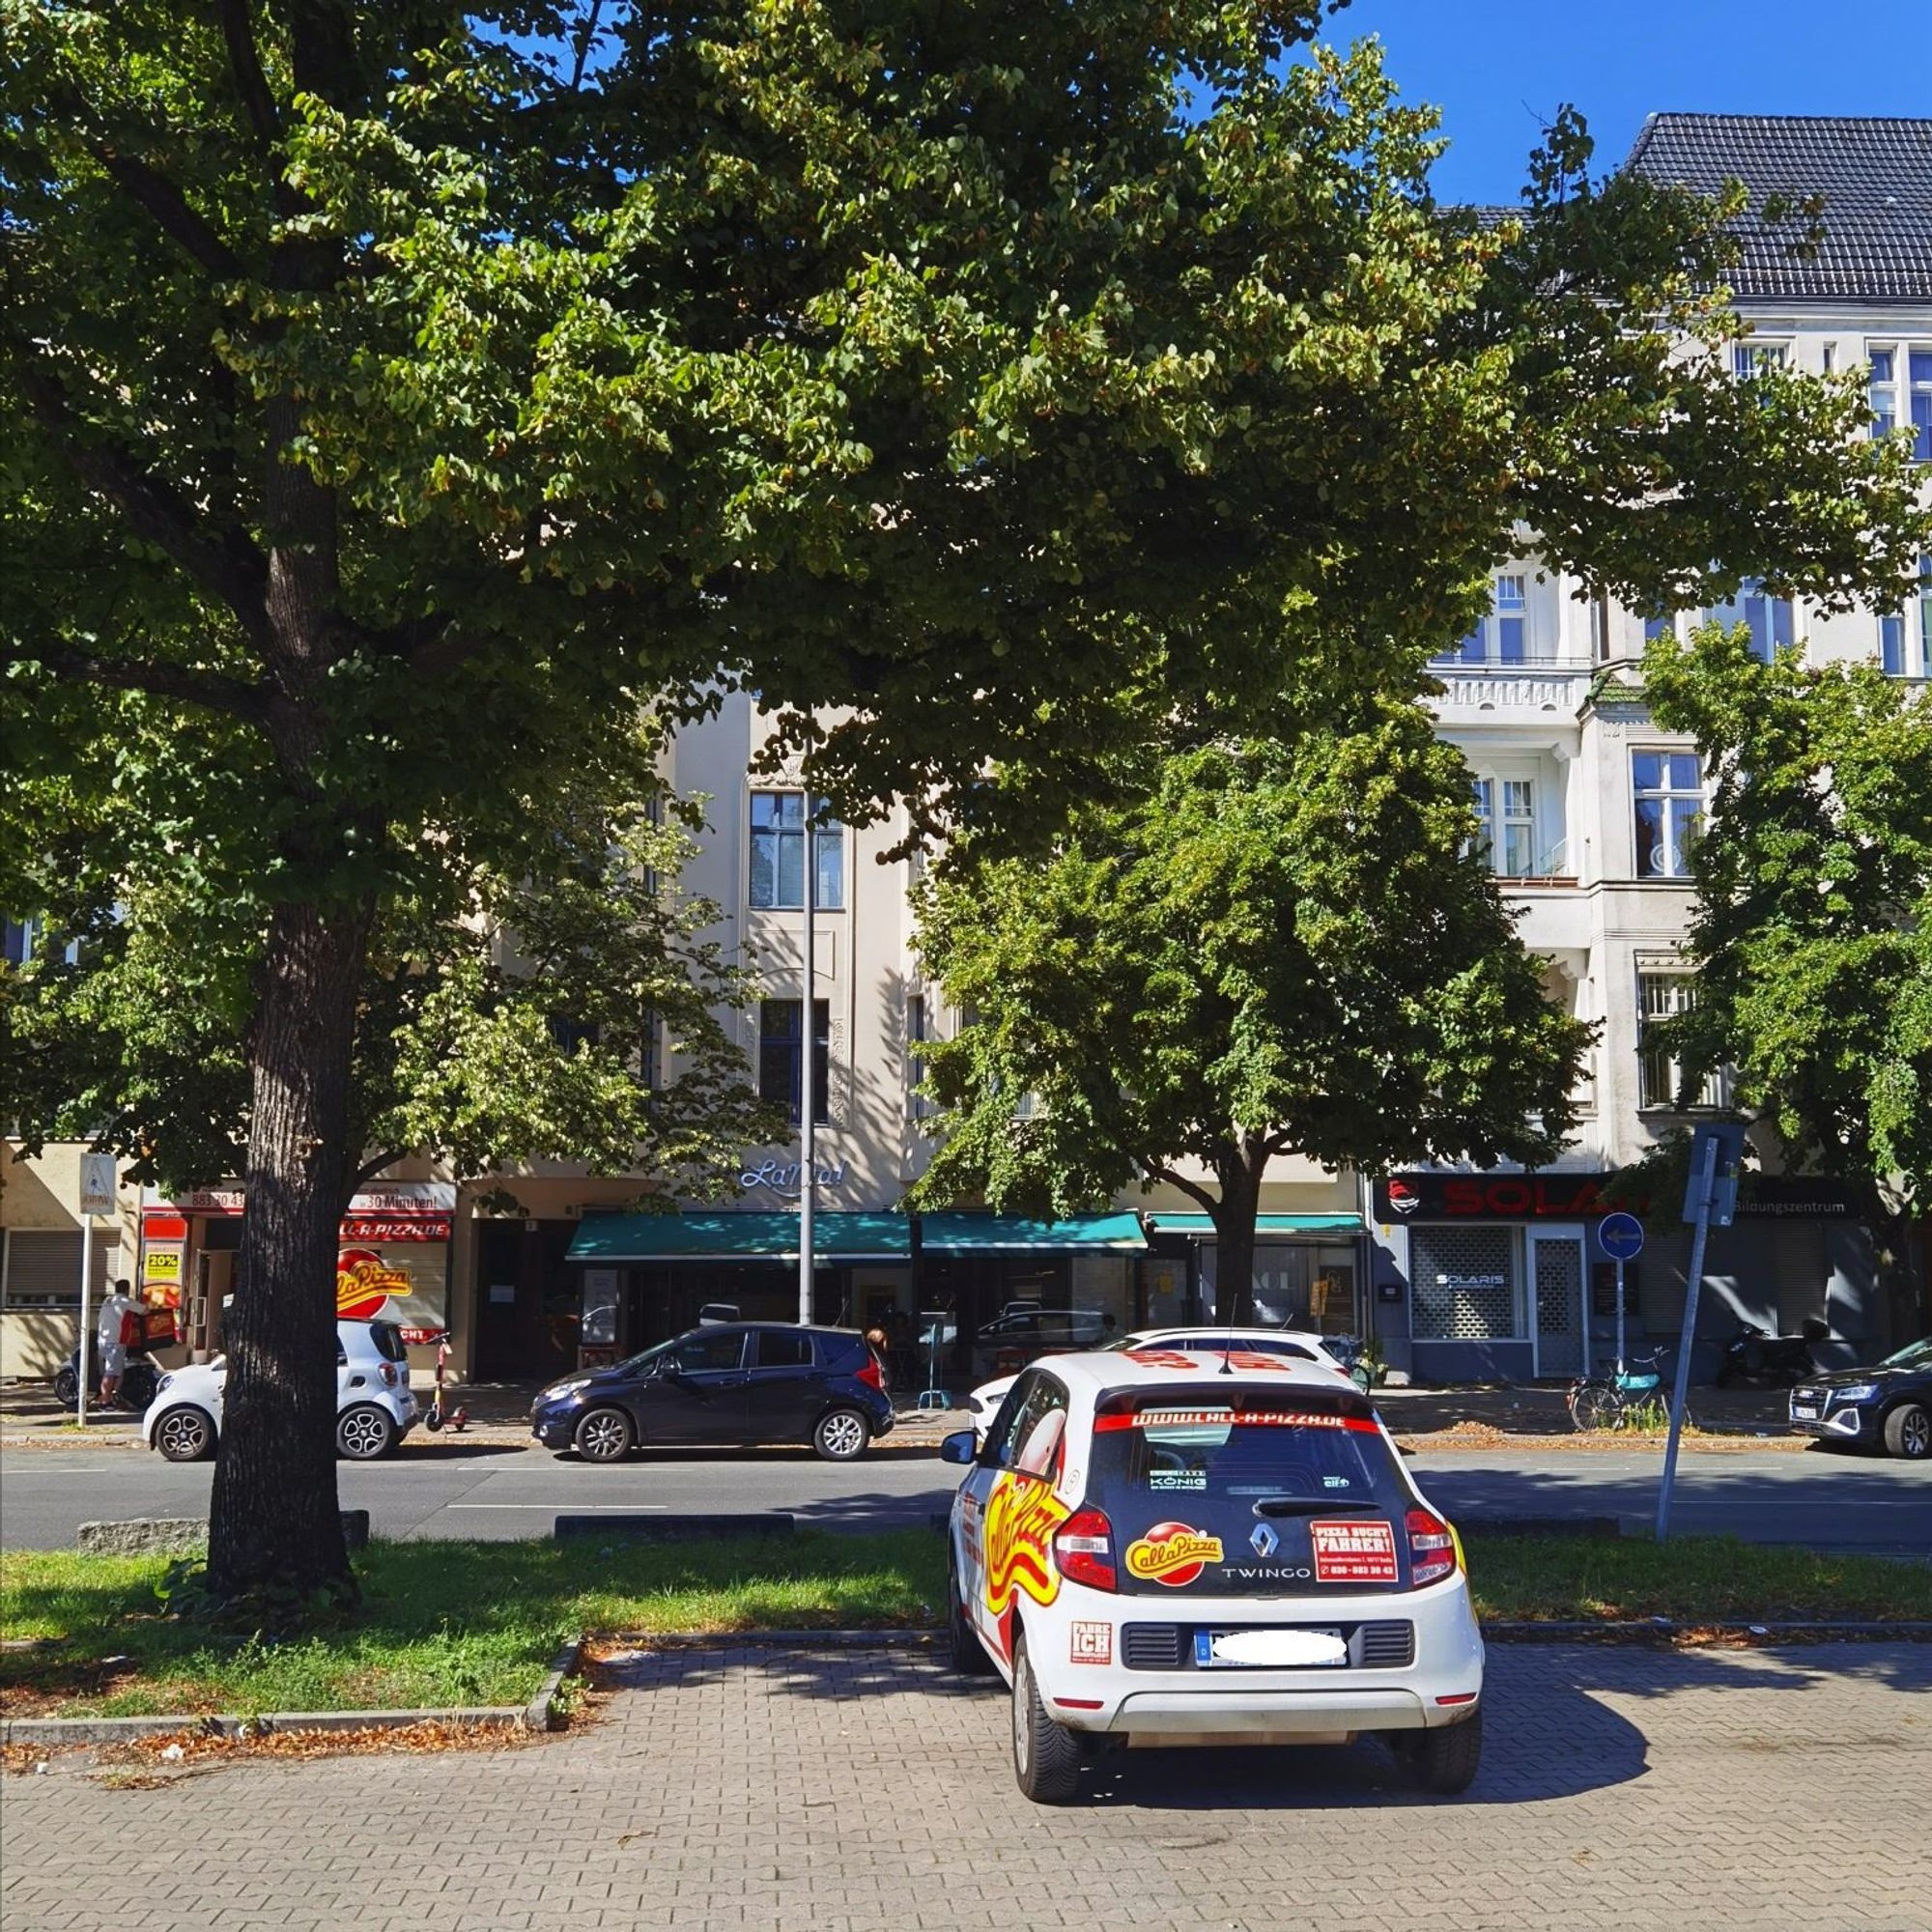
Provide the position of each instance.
(1016, 1234)
(744, 1237)
(1265, 1224)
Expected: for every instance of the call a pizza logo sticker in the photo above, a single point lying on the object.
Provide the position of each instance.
(1353, 1552)
(1173, 1554)
(363, 1282)
(1021, 1518)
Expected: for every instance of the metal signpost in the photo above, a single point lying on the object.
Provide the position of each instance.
(1710, 1199)
(1621, 1237)
(97, 1197)
(807, 1180)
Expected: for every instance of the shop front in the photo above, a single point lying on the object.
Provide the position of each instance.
(1502, 1277)
(935, 1279)
(1307, 1269)
(392, 1259)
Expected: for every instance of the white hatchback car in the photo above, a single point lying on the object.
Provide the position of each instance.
(985, 1399)
(373, 1406)
(1152, 1546)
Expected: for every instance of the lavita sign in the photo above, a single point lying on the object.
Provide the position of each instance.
(784, 1176)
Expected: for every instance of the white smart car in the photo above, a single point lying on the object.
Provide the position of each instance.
(985, 1399)
(1185, 1548)
(373, 1406)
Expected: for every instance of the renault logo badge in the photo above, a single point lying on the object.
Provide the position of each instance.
(1263, 1542)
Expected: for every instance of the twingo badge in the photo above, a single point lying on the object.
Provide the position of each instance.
(1173, 1554)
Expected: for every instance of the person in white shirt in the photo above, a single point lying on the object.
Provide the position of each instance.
(114, 1311)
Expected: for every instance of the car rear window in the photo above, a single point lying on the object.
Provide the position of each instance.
(1248, 1492)
(389, 1339)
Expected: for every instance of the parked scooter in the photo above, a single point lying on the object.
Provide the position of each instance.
(140, 1382)
(1754, 1359)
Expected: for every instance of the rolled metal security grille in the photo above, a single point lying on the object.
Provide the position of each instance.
(1462, 1283)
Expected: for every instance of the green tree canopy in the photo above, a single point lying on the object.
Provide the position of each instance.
(1813, 929)
(388, 389)
(1278, 948)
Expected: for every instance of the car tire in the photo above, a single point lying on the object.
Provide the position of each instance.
(966, 1653)
(1908, 1431)
(364, 1433)
(1046, 1756)
(184, 1435)
(605, 1435)
(1445, 1762)
(841, 1436)
(67, 1388)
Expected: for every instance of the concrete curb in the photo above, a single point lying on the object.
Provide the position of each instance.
(783, 1639)
(540, 1714)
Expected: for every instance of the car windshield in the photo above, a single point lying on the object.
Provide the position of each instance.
(1914, 1355)
(1249, 1344)
(646, 1363)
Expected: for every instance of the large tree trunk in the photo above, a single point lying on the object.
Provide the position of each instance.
(275, 1518)
(1235, 1240)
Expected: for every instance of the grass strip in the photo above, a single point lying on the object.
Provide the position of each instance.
(446, 1624)
(441, 1624)
(1690, 1579)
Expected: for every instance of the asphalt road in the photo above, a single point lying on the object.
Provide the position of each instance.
(455, 1489)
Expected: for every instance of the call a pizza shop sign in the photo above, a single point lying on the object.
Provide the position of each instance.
(1589, 1197)
(1500, 1197)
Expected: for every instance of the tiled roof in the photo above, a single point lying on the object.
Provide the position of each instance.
(1875, 176)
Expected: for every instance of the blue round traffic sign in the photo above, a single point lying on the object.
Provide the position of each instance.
(1621, 1236)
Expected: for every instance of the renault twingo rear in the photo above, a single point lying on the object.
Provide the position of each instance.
(1198, 1549)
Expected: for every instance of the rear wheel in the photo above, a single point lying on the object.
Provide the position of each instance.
(186, 1435)
(1046, 1756)
(363, 1432)
(604, 1436)
(67, 1388)
(1446, 1761)
(968, 1655)
(1908, 1431)
(841, 1437)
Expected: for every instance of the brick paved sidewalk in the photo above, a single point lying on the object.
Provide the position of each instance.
(870, 1793)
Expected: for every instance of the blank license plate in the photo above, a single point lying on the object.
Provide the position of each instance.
(1297, 1649)
(1805, 1411)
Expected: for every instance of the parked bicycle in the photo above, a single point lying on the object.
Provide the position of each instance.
(1631, 1396)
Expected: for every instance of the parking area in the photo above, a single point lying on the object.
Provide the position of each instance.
(870, 1791)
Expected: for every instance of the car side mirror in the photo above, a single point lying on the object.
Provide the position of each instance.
(669, 1368)
(962, 1446)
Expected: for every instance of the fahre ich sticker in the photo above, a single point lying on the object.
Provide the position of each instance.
(1353, 1553)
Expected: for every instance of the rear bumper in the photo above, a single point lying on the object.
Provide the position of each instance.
(1305, 1713)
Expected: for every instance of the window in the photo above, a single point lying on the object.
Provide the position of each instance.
(1463, 1284)
(1752, 359)
(40, 1268)
(1660, 996)
(1915, 366)
(917, 1106)
(1905, 637)
(1502, 636)
(782, 1349)
(1768, 617)
(1029, 1434)
(777, 855)
(1506, 821)
(1658, 627)
(709, 1354)
(16, 941)
(1669, 804)
(780, 1070)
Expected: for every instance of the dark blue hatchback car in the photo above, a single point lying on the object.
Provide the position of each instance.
(740, 1381)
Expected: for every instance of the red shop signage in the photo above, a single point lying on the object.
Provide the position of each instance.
(1500, 1197)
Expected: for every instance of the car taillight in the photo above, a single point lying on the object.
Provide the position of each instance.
(1432, 1549)
(1083, 1549)
(389, 1373)
(869, 1374)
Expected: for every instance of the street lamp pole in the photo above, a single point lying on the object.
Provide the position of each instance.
(808, 1100)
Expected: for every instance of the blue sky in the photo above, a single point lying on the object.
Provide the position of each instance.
(1496, 67)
